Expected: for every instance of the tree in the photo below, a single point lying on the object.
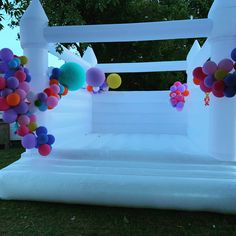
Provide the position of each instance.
(62, 12)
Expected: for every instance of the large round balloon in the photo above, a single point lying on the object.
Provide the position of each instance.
(114, 81)
(72, 76)
(95, 77)
(29, 141)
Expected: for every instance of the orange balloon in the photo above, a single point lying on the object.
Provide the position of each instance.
(65, 91)
(186, 93)
(90, 88)
(54, 81)
(13, 99)
(196, 81)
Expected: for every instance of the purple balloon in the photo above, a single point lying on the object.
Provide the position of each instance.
(95, 77)
(209, 68)
(226, 64)
(22, 108)
(29, 141)
(9, 116)
(5, 92)
(173, 88)
(180, 104)
(43, 97)
(3, 67)
(12, 83)
(26, 70)
(186, 86)
(181, 88)
(6, 55)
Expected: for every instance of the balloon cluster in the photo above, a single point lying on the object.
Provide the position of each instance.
(15, 101)
(177, 95)
(220, 79)
(70, 76)
(98, 83)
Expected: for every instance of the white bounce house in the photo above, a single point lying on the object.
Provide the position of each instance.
(132, 148)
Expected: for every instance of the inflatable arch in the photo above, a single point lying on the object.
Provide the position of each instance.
(132, 148)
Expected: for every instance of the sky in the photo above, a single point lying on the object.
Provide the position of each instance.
(8, 39)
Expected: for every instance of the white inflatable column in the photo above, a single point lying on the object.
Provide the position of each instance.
(223, 110)
(35, 47)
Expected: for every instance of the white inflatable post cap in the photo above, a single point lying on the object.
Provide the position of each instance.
(35, 11)
(90, 57)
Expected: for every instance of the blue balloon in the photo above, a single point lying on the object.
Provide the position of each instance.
(9, 74)
(51, 139)
(230, 80)
(42, 139)
(209, 80)
(41, 130)
(14, 63)
(43, 107)
(28, 78)
(229, 92)
(233, 54)
(56, 72)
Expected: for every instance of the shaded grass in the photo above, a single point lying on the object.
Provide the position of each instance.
(36, 218)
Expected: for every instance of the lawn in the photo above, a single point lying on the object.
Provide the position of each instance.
(34, 218)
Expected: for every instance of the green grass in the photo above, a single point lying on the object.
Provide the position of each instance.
(34, 218)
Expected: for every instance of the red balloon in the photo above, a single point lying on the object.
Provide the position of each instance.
(204, 88)
(89, 88)
(219, 86)
(199, 74)
(2, 83)
(218, 94)
(22, 130)
(44, 149)
(3, 104)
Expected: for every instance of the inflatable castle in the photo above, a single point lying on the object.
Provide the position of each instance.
(131, 148)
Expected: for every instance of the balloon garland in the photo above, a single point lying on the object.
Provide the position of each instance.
(218, 79)
(177, 95)
(97, 82)
(19, 104)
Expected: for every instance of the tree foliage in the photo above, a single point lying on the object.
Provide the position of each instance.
(76, 12)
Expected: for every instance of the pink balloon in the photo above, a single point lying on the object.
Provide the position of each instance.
(52, 101)
(24, 86)
(20, 75)
(177, 83)
(23, 120)
(55, 88)
(21, 93)
(33, 118)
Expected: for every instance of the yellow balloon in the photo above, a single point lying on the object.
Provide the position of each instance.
(23, 60)
(114, 81)
(32, 126)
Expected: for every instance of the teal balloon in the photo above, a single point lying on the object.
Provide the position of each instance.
(72, 76)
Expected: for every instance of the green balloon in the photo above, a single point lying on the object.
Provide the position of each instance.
(220, 74)
(72, 76)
